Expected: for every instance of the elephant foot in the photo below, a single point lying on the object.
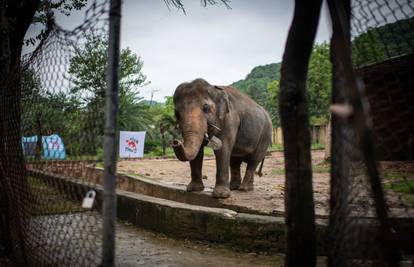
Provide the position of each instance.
(195, 186)
(246, 187)
(234, 185)
(221, 192)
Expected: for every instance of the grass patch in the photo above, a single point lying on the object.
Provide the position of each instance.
(320, 168)
(317, 146)
(279, 147)
(397, 181)
(393, 175)
(406, 187)
(46, 200)
(275, 147)
(278, 171)
(84, 157)
(169, 153)
(315, 169)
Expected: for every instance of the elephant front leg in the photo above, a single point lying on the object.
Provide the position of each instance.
(222, 188)
(196, 165)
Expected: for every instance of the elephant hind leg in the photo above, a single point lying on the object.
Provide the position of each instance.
(235, 180)
(247, 184)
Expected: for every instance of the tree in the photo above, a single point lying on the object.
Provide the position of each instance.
(258, 79)
(166, 123)
(44, 112)
(261, 84)
(319, 83)
(380, 43)
(256, 86)
(88, 71)
(15, 18)
(272, 102)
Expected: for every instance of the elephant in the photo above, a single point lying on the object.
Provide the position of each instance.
(238, 129)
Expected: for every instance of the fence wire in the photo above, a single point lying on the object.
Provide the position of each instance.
(62, 118)
(382, 40)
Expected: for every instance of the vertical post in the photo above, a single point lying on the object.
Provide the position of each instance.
(342, 144)
(110, 136)
(294, 116)
(339, 11)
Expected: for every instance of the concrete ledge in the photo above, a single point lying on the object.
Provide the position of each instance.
(242, 230)
(152, 188)
(245, 231)
(213, 224)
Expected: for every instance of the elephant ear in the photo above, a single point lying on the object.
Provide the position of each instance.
(222, 102)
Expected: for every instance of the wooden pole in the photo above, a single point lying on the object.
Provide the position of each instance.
(294, 115)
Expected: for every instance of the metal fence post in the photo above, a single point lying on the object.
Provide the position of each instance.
(110, 136)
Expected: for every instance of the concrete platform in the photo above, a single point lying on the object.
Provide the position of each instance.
(173, 211)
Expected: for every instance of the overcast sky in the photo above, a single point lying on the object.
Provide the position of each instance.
(218, 44)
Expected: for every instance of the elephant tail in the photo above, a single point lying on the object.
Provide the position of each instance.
(260, 168)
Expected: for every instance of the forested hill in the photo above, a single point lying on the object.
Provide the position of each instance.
(390, 40)
(259, 77)
(262, 85)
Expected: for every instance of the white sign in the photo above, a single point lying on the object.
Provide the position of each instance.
(131, 144)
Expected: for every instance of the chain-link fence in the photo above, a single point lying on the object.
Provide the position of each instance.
(61, 117)
(371, 201)
(59, 128)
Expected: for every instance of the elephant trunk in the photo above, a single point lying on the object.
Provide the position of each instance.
(193, 135)
(188, 150)
(180, 152)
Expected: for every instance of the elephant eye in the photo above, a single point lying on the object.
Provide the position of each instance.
(177, 115)
(206, 108)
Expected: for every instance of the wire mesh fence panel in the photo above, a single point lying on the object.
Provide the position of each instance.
(59, 126)
(382, 43)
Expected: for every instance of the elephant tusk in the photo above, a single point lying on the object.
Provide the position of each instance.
(215, 127)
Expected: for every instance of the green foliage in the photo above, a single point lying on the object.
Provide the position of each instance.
(169, 153)
(272, 103)
(398, 181)
(275, 147)
(88, 69)
(317, 146)
(44, 112)
(262, 85)
(406, 187)
(319, 83)
(255, 83)
(78, 115)
(380, 43)
(165, 126)
(133, 114)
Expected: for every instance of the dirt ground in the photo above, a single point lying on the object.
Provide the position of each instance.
(268, 194)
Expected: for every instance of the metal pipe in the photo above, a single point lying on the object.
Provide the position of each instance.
(110, 136)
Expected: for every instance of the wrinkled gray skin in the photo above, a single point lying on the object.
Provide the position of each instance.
(245, 132)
